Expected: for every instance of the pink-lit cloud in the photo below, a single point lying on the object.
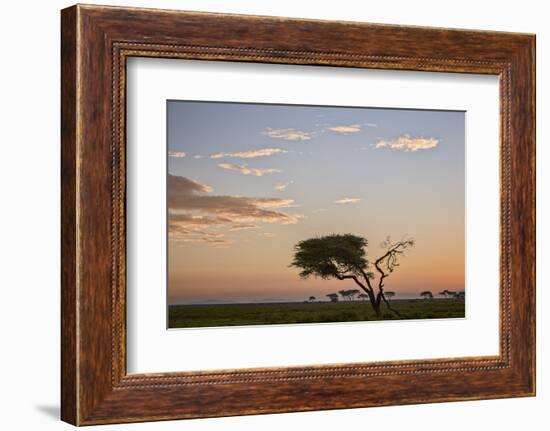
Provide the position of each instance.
(262, 152)
(247, 170)
(288, 134)
(197, 215)
(408, 144)
(347, 200)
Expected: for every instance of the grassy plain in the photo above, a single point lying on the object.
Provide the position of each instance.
(197, 316)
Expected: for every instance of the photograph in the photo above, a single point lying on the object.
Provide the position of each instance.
(293, 214)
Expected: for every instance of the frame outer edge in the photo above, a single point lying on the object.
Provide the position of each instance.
(523, 216)
(533, 54)
(528, 62)
(69, 197)
(532, 79)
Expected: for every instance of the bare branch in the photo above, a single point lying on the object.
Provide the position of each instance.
(389, 306)
(387, 263)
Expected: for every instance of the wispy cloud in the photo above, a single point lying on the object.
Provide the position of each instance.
(190, 220)
(347, 201)
(263, 152)
(216, 242)
(275, 203)
(188, 184)
(197, 215)
(246, 170)
(282, 186)
(197, 229)
(288, 134)
(177, 154)
(291, 134)
(237, 227)
(346, 129)
(352, 128)
(408, 143)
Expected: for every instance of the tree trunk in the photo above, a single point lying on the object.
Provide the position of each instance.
(376, 308)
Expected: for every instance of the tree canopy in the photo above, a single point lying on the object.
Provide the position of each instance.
(426, 294)
(331, 256)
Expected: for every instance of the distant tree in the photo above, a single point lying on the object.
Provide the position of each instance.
(312, 298)
(343, 257)
(460, 295)
(427, 294)
(389, 294)
(344, 294)
(444, 293)
(348, 294)
(363, 296)
(451, 293)
(352, 294)
(333, 297)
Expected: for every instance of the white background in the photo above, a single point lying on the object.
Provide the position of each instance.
(29, 226)
(151, 348)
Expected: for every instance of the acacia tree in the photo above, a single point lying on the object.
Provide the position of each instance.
(389, 294)
(427, 294)
(343, 257)
(349, 294)
(333, 297)
(344, 294)
(312, 298)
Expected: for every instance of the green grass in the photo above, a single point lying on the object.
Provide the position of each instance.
(197, 316)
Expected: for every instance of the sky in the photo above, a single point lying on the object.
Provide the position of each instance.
(246, 182)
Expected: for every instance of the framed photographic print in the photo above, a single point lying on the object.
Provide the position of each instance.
(260, 217)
